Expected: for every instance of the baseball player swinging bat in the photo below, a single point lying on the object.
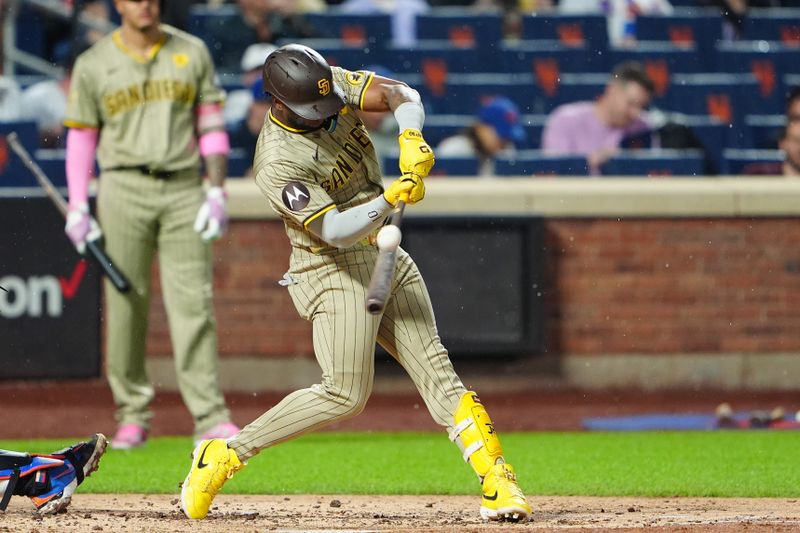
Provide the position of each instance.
(94, 247)
(381, 282)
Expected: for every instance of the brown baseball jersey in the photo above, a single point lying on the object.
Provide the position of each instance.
(304, 174)
(145, 106)
(145, 110)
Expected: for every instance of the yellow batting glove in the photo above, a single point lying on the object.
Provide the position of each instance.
(409, 188)
(416, 156)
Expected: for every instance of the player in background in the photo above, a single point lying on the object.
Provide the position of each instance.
(144, 100)
(317, 167)
(49, 480)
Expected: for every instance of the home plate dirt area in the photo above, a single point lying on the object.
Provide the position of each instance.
(231, 513)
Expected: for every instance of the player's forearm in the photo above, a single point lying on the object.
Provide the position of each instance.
(81, 148)
(406, 105)
(345, 228)
(216, 169)
(213, 142)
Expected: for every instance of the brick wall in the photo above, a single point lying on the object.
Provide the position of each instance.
(615, 286)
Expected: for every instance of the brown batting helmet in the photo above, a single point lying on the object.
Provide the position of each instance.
(300, 77)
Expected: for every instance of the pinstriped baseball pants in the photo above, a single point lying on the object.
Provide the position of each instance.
(332, 297)
(140, 214)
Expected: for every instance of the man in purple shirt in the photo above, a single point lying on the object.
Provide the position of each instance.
(596, 129)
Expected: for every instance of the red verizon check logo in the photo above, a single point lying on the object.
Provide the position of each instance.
(70, 287)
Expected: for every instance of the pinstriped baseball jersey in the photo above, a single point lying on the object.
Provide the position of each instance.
(145, 107)
(304, 174)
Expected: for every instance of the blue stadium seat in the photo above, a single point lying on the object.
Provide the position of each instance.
(790, 81)
(729, 97)
(574, 30)
(13, 172)
(773, 25)
(699, 28)
(767, 61)
(744, 162)
(53, 164)
(533, 124)
(460, 27)
(238, 162)
(536, 163)
(436, 54)
(464, 93)
(351, 57)
(655, 163)
(445, 166)
(765, 130)
(549, 58)
(713, 133)
(30, 31)
(355, 29)
(205, 21)
(677, 59)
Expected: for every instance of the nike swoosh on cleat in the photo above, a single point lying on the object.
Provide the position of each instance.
(490, 498)
(201, 464)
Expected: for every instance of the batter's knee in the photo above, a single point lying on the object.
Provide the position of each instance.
(349, 402)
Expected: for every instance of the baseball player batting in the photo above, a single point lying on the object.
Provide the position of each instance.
(317, 167)
(144, 100)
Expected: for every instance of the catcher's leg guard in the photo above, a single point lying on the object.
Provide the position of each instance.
(475, 435)
(23, 474)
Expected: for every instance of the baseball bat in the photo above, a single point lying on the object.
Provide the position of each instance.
(94, 247)
(382, 275)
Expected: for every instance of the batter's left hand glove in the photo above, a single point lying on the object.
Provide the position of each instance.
(416, 156)
(409, 188)
(212, 218)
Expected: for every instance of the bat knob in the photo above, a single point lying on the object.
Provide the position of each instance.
(374, 306)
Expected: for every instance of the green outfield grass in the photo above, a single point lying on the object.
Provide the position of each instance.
(720, 463)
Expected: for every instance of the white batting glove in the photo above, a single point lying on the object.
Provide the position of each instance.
(212, 218)
(81, 227)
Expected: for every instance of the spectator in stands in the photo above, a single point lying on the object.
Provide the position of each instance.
(261, 21)
(403, 13)
(596, 129)
(495, 131)
(237, 103)
(621, 15)
(245, 134)
(790, 146)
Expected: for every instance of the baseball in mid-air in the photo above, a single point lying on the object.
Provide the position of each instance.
(389, 238)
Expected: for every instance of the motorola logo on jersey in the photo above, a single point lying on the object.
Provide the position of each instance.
(295, 196)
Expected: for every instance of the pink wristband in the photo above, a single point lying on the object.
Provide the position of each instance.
(81, 147)
(214, 142)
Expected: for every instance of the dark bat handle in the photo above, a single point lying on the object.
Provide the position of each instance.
(116, 277)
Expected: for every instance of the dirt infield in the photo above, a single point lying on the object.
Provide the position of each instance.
(158, 513)
(91, 409)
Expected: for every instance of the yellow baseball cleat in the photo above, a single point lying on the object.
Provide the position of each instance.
(502, 497)
(213, 463)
